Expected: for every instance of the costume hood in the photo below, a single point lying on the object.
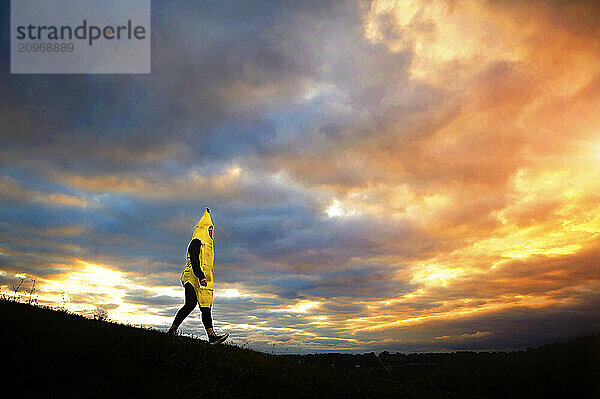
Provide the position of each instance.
(201, 231)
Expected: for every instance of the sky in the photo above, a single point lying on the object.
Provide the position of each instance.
(405, 176)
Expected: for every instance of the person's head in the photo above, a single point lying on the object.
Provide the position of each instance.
(204, 230)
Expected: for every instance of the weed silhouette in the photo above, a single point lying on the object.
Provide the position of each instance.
(16, 288)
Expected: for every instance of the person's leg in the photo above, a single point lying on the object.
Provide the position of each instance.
(205, 298)
(213, 338)
(190, 304)
(207, 320)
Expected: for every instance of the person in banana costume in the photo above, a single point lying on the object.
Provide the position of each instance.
(197, 278)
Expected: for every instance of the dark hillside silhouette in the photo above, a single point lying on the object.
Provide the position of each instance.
(56, 354)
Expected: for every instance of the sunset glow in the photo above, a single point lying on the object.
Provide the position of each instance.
(399, 175)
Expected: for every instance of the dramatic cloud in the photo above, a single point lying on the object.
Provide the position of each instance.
(415, 175)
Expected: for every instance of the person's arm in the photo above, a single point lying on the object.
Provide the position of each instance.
(194, 252)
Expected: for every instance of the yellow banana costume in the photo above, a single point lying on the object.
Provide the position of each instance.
(207, 257)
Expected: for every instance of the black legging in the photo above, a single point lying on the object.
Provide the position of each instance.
(190, 303)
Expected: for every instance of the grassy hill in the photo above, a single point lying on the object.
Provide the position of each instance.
(56, 354)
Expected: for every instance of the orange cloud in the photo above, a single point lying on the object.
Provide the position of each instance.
(17, 192)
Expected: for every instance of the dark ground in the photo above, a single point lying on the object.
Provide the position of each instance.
(54, 354)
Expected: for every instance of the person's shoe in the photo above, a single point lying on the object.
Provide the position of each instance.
(215, 339)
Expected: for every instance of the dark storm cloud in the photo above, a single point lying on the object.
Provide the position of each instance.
(367, 282)
(186, 108)
(508, 329)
